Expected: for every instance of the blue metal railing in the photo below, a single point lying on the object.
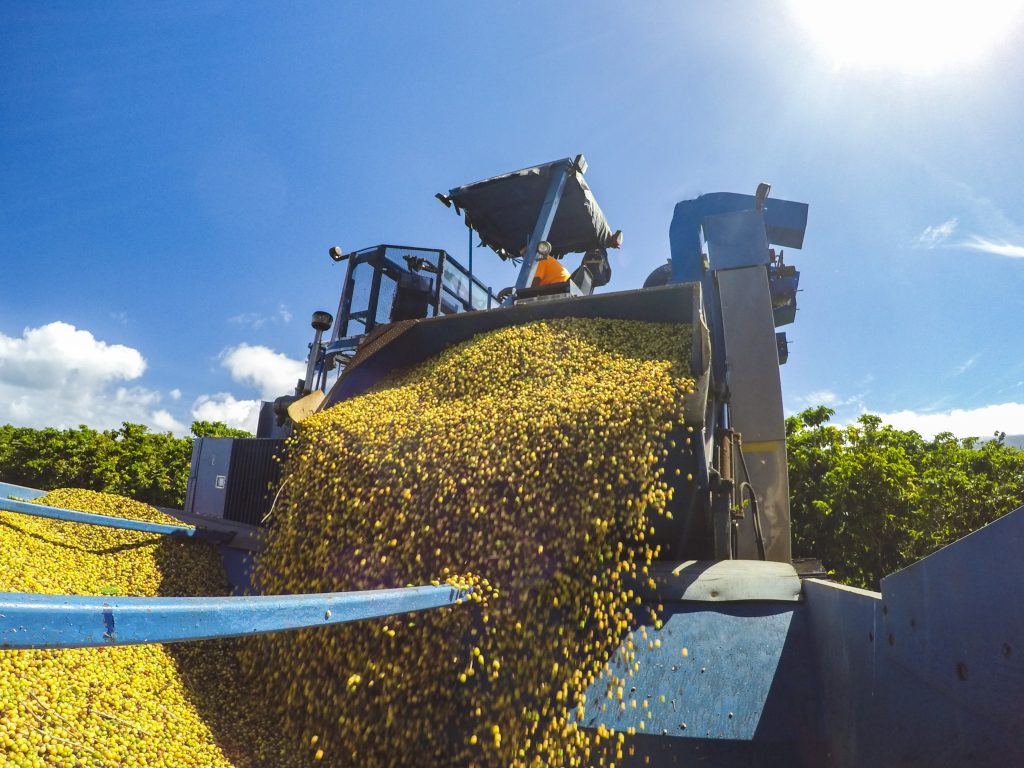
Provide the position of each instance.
(74, 516)
(77, 621)
(29, 620)
(19, 491)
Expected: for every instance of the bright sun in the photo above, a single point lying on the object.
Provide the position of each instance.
(917, 36)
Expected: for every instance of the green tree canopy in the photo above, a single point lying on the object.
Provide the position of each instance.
(132, 461)
(216, 429)
(869, 499)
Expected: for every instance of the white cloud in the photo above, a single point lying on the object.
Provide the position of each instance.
(966, 364)
(973, 422)
(223, 407)
(252, 319)
(939, 234)
(996, 247)
(162, 421)
(51, 356)
(828, 398)
(934, 236)
(61, 376)
(257, 320)
(821, 397)
(271, 373)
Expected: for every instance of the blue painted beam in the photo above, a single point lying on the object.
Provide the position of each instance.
(74, 516)
(545, 219)
(29, 620)
(19, 491)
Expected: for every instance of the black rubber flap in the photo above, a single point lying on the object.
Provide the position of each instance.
(504, 210)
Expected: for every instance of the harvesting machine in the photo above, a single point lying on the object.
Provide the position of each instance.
(781, 666)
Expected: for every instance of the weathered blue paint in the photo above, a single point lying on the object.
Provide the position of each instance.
(927, 673)
(956, 619)
(19, 491)
(743, 690)
(74, 516)
(739, 238)
(841, 621)
(785, 222)
(238, 567)
(77, 621)
(930, 672)
(743, 234)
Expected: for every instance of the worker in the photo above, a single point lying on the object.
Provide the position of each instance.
(549, 272)
(596, 262)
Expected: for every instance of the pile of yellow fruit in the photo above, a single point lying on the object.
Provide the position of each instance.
(525, 463)
(530, 457)
(144, 705)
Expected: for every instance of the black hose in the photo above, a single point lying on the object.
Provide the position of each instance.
(755, 515)
(754, 510)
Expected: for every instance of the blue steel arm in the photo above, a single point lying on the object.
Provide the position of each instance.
(19, 491)
(74, 516)
(544, 222)
(785, 222)
(77, 621)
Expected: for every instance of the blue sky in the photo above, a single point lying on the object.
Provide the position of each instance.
(173, 175)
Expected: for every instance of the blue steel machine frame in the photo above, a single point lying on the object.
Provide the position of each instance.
(754, 664)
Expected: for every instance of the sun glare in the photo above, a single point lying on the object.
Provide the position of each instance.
(915, 36)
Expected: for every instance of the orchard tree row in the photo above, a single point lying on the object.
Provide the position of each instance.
(148, 466)
(867, 499)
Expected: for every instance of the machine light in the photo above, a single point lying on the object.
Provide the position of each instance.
(544, 248)
(336, 254)
(321, 320)
(761, 194)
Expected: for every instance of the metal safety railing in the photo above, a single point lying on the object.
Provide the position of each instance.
(30, 620)
(91, 518)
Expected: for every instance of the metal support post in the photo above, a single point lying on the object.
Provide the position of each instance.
(723, 499)
(543, 226)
